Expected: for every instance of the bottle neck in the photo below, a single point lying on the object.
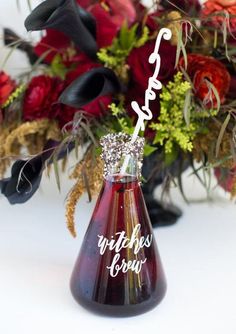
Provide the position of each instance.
(117, 173)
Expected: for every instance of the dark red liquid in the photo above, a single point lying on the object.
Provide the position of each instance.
(120, 207)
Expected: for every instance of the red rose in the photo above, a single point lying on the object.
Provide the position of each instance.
(204, 69)
(226, 178)
(7, 86)
(141, 71)
(41, 97)
(222, 8)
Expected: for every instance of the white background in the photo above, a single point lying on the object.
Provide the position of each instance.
(37, 256)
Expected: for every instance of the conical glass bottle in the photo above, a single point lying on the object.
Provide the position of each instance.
(119, 271)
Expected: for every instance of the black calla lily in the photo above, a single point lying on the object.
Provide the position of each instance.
(26, 175)
(68, 17)
(19, 188)
(89, 86)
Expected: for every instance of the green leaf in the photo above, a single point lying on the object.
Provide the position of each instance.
(127, 36)
(221, 134)
(187, 105)
(58, 68)
(215, 91)
(148, 149)
(178, 51)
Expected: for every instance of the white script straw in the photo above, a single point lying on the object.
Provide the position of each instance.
(144, 113)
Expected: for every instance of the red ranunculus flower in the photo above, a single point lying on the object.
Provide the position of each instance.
(141, 71)
(7, 86)
(40, 100)
(204, 69)
(222, 8)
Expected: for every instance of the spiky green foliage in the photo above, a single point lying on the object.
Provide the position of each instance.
(115, 55)
(172, 127)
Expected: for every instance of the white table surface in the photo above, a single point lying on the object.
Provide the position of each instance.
(37, 255)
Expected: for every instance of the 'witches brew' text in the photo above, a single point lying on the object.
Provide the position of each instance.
(135, 243)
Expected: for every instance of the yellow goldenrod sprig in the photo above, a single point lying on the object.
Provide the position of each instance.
(17, 92)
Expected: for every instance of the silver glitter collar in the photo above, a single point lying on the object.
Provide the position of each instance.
(116, 146)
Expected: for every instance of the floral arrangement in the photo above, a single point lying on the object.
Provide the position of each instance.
(90, 63)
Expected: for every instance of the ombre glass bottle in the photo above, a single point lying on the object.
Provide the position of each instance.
(119, 271)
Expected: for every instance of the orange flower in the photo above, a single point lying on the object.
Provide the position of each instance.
(204, 70)
(221, 9)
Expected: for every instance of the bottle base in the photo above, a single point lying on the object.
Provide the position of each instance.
(120, 311)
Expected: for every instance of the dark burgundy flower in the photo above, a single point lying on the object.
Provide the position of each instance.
(204, 70)
(40, 100)
(141, 71)
(7, 86)
(219, 10)
(189, 6)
